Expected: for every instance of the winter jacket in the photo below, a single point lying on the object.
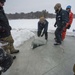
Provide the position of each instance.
(4, 24)
(43, 26)
(68, 25)
(62, 17)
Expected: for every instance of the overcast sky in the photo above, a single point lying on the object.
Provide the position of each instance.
(12, 6)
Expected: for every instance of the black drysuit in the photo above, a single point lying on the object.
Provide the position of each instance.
(62, 17)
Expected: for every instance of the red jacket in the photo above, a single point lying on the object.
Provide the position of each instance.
(70, 19)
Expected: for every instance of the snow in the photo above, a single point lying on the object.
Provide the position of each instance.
(20, 36)
(22, 29)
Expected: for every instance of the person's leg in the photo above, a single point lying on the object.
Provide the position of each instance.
(63, 34)
(10, 46)
(46, 35)
(58, 36)
(55, 36)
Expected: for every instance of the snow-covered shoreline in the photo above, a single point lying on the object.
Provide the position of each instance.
(31, 24)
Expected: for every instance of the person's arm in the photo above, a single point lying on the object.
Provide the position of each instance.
(4, 24)
(65, 18)
(70, 20)
(45, 29)
(55, 25)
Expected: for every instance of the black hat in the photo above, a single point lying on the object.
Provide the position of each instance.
(2, 0)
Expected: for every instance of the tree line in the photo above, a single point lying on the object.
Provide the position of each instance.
(31, 15)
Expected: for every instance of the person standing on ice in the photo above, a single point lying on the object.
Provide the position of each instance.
(5, 30)
(62, 17)
(68, 25)
(42, 28)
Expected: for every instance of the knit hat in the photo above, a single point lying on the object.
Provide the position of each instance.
(68, 7)
(57, 6)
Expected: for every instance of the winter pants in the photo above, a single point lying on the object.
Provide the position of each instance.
(63, 34)
(58, 35)
(10, 42)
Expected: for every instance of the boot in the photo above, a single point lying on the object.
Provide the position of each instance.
(57, 43)
(14, 51)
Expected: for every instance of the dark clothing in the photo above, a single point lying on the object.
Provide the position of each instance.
(62, 17)
(6, 60)
(5, 33)
(42, 28)
(58, 32)
(6, 63)
(4, 24)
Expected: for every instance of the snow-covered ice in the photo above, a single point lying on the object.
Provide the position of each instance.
(20, 36)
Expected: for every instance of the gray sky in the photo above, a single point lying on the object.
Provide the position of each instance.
(12, 6)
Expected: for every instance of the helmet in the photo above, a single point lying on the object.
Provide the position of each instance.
(57, 6)
(2, 0)
(68, 7)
